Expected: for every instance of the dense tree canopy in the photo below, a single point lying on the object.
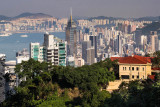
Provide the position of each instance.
(59, 86)
(135, 93)
(156, 59)
(48, 85)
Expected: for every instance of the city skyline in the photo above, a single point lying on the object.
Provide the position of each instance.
(87, 8)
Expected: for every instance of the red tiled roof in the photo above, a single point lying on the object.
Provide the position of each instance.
(151, 77)
(132, 59)
(115, 58)
(155, 68)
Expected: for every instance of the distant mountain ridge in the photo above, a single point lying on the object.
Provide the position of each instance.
(42, 15)
(32, 15)
(149, 18)
(26, 15)
(105, 17)
(4, 17)
(155, 26)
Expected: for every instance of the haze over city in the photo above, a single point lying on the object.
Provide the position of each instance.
(87, 8)
(79, 53)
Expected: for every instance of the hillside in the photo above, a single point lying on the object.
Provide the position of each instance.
(155, 26)
(4, 17)
(149, 18)
(105, 17)
(31, 16)
(26, 15)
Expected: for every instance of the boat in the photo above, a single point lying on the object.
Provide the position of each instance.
(5, 34)
(24, 36)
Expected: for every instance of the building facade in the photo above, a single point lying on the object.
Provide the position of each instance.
(53, 50)
(22, 56)
(37, 52)
(94, 41)
(133, 67)
(71, 37)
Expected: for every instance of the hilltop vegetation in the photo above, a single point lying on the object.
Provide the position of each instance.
(61, 86)
(58, 86)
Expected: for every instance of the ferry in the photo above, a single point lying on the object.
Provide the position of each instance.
(24, 36)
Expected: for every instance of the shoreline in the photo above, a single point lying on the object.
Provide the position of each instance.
(14, 32)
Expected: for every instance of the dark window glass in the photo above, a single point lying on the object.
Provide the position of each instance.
(137, 68)
(125, 76)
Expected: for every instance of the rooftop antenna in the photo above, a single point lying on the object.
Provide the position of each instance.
(71, 13)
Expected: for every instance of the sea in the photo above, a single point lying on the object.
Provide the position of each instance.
(9, 45)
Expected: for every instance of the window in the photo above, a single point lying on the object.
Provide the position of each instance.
(132, 68)
(129, 68)
(137, 68)
(138, 77)
(123, 68)
(133, 76)
(143, 68)
(125, 76)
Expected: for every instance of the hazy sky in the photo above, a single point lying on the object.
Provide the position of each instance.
(61, 8)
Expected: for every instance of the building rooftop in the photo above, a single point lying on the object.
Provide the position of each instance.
(10, 63)
(135, 59)
(152, 77)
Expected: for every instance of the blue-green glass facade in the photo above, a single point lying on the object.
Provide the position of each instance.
(35, 52)
(62, 54)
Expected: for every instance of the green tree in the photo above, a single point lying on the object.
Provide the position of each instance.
(156, 59)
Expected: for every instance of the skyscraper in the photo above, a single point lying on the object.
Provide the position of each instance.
(143, 42)
(137, 38)
(53, 50)
(62, 53)
(71, 37)
(90, 56)
(93, 40)
(119, 42)
(36, 52)
(85, 46)
(154, 42)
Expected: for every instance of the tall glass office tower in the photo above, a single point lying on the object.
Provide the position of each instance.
(71, 37)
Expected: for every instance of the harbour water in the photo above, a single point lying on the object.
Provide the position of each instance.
(9, 45)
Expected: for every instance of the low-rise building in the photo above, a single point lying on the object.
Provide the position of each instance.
(70, 61)
(22, 56)
(133, 67)
(13, 78)
(79, 62)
